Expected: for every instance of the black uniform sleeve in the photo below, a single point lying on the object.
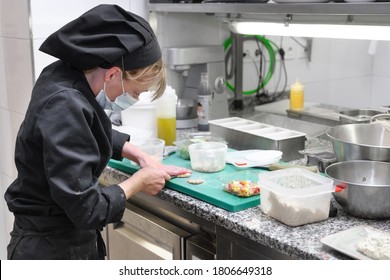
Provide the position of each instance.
(118, 140)
(73, 145)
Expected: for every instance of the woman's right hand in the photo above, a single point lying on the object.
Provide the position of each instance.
(149, 180)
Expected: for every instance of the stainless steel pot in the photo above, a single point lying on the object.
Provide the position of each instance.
(360, 141)
(358, 116)
(363, 187)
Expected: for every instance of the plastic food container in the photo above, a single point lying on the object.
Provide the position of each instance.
(182, 145)
(153, 147)
(295, 196)
(208, 156)
(241, 183)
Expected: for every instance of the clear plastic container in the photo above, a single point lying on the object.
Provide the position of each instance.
(153, 147)
(208, 156)
(191, 138)
(241, 183)
(295, 196)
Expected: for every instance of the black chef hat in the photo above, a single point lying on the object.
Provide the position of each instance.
(105, 36)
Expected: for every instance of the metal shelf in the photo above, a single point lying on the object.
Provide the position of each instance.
(372, 8)
(366, 13)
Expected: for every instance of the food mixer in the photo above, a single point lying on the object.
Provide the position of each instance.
(184, 67)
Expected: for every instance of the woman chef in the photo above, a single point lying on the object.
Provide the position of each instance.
(107, 57)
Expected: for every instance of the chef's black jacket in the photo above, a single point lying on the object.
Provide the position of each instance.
(62, 147)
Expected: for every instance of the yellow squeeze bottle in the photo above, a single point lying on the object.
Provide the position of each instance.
(166, 116)
(296, 96)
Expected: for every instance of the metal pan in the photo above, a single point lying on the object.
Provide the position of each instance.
(363, 187)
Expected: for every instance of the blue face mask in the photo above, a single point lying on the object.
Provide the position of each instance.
(122, 102)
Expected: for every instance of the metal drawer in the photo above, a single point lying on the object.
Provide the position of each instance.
(143, 236)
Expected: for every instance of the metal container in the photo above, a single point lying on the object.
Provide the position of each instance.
(360, 142)
(321, 158)
(363, 187)
(186, 116)
(186, 109)
(358, 116)
(244, 134)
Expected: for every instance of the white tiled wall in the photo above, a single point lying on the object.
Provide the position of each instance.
(17, 73)
(341, 72)
(47, 16)
(380, 90)
(16, 83)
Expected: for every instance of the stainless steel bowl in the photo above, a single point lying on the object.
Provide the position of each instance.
(363, 187)
(360, 142)
(186, 109)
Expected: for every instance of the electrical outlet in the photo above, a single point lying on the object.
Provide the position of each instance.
(290, 48)
(289, 53)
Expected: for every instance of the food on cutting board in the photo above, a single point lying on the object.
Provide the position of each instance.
(195, 181)
(242, 188)
(185, 175)
(375, 246)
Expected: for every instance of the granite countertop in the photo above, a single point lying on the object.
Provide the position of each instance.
(302, 242)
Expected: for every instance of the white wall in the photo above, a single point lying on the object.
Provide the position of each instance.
(18, 49)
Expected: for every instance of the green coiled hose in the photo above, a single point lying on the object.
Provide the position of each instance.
(272, 57)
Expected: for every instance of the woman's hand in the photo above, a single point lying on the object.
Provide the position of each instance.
(173, 170)
(152, 176)
(133, 153)
(149, 180)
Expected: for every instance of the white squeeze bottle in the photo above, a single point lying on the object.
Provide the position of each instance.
(166, 116)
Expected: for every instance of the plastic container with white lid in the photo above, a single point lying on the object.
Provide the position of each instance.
(295, 196)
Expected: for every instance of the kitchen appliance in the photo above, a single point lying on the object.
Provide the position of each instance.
(185, 65)
(360, 141)
(186, 113)
(363, 187)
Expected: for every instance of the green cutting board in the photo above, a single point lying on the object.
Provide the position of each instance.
(210, 191)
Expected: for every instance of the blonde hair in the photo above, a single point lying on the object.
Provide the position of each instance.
(153, 76)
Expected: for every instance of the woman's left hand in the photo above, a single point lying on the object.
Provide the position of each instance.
(173, 170)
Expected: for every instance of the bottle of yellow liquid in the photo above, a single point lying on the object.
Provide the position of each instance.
(296, 96)
(166, 116)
